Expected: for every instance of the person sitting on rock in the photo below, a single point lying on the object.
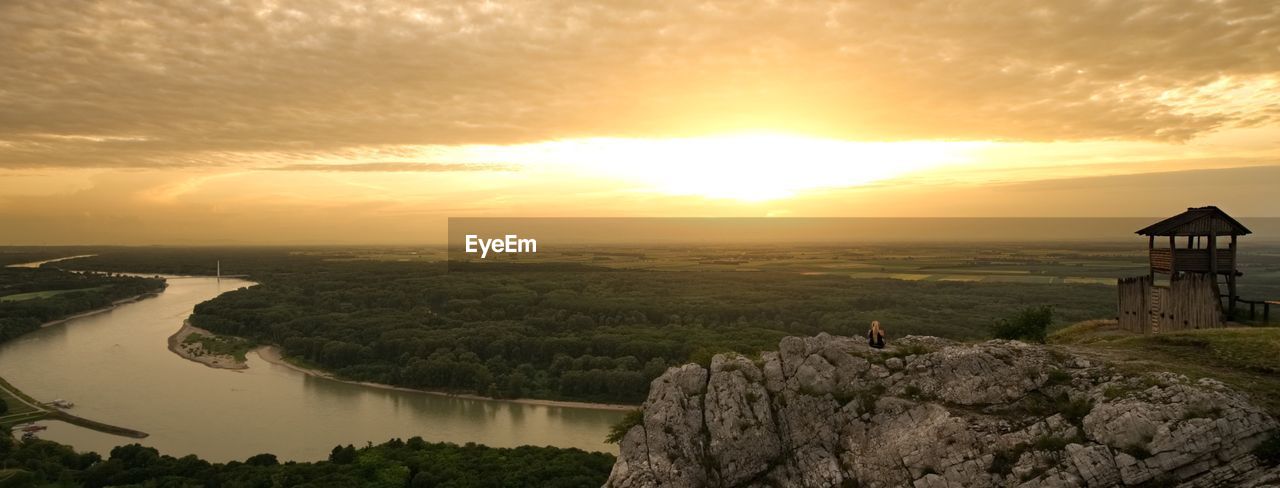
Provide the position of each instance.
(875, 336)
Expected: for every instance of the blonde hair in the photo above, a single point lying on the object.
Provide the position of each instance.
(875, 325)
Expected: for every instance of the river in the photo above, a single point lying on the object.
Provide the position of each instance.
(117, 369)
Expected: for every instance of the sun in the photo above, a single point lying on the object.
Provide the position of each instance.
(756, 167)
(746, 167)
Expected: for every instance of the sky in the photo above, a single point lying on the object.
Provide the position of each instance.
(139, 122)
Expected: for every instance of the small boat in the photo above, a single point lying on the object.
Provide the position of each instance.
(60, 403)
(31, 429)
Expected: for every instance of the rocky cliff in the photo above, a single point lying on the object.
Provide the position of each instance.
(829, 411)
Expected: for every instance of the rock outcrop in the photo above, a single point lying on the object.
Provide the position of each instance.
(829, 411)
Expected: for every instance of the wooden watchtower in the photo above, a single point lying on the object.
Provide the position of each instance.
(1193, 297)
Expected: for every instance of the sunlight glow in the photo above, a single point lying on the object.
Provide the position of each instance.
(746, 167)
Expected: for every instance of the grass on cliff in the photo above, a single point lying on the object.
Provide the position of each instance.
(1247, 358)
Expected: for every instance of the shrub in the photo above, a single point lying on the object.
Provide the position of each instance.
(1052, 443)
(4, 407)
(1029, 324)
(1002, 462)
(1074, 410)
(1268, 452)
(620, 429)
(1112, 392)
(867, 398)
(1058, 377)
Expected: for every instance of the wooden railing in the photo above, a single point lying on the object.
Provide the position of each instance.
(1253, 308)
(1195, 260)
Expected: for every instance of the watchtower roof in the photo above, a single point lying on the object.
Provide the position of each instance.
(1197, 221)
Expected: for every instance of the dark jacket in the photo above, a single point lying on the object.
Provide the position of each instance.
(875, 340)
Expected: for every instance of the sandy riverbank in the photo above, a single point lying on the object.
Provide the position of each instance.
(271, 354)
(107, 308)
(195, 352)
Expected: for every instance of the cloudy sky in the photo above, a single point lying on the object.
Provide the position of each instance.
(331, 121)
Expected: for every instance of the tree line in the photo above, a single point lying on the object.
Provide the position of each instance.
(396, 463)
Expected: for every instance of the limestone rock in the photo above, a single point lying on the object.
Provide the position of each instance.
(744, 438)
(926, 412)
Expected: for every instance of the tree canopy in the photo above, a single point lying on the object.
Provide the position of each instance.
(396, 463)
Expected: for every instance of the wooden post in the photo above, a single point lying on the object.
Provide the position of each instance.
(1151, 246)
(1231, 281)
(1173, 257)
(1213, 252)
(1232, 298)
(1213, 265)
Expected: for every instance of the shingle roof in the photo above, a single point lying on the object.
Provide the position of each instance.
(1196, 221)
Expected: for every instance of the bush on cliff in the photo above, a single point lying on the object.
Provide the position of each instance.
(619, 430)
(1029, 324)
(1268, 452)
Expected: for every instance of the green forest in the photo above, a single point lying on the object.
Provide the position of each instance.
(397, 463)
(30, 297)
(589, 333)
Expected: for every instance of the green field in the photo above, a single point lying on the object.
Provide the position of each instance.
(19, 411)
(17, 297)
(1021, 263)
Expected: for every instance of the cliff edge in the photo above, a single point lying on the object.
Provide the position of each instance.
(829, 411)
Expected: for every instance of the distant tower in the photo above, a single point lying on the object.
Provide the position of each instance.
(219, 270)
